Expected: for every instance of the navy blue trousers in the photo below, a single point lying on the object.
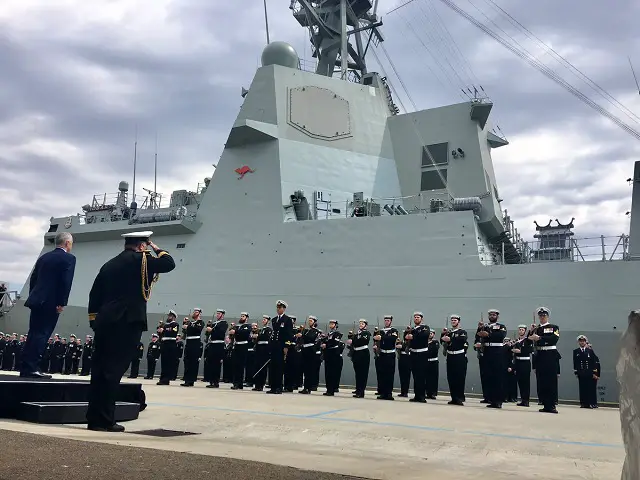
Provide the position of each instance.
(42, 323)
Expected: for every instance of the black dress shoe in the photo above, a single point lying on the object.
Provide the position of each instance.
(112, 428)
(41, 375)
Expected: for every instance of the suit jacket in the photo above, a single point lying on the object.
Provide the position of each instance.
(116, 295)
(51, 280)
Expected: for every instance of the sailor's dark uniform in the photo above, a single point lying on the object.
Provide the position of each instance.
(361, 360)
(310, 340)
(169, 350)
(494, 358)
(332, 349)
(456, 352)
(586, 364)
(118, 315)
(215, 350)
(262, 357)
(433, 369)
(419, 347)
(281, 338)
(192, 331)
(241, 341)
(522, 362)
(135, 361)
(153, 354)
(386, 363)
(547, 366)
(404, 363)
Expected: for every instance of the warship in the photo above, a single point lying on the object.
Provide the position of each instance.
(327, 196)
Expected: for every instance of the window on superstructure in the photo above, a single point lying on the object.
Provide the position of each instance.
(181, 245)
(433, 179)
(439, 152)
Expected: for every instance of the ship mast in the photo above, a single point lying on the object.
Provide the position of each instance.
(331, 23)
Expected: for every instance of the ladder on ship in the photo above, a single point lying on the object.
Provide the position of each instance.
(7, 301)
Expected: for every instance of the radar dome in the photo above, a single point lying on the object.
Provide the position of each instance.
(123, 186)
(280, 53)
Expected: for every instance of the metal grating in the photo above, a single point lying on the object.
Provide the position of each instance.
(161, 432)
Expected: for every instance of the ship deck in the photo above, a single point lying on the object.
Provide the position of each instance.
(327, 436)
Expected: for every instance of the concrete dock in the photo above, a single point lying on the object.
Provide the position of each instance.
(367, 437)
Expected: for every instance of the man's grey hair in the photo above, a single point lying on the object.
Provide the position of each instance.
(63, 237)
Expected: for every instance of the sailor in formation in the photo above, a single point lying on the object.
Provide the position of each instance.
(192, 330)
(432, 371)
(546, 336)
(280, 342)
(332, 347)
(455, 344)
(168, 333)
(493, 335)
(263, 354)
(586, 367)
(153, 354)
(386, 361)
(215, 349)
(404, 362)
(241, 337)
(310, 338)
(418, 347)
(361, 357)
(522, 351)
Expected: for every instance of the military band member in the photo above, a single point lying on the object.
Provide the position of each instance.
(192, 329)
(386, 363)
(433, 366)
(241, 337)
(227, 363)
(418, 343)
(456, 341)
(153, 354)
(493, 335)
(478, 346)
(404, 362)
(586, 366)
(179, 354)
(70, 354)
(522, 350)
(280, 342)
(45, 361)
(510, 389)
(87, 352)
(361, 357)
(215, 349)
(310, 338)
(168, 333)
(57, 354)
(118, 316)
(262, 354)
(546, 336)
(135, 361)
(332, 348)
(250, 365)
(292, 362)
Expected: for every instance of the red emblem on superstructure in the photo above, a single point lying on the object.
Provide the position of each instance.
(242, 171)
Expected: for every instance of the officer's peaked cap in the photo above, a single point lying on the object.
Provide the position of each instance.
(582, 337)
(333, 321)
(543, 311)
(293, 317)
(134, 237)
(420, 314)
(281, 303)
(72, 335)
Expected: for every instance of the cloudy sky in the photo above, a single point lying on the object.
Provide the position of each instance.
(79, 76)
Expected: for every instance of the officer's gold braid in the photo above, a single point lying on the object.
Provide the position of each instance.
(146, 287)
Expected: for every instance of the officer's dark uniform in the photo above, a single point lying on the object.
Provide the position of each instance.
(215, 350)
(250, 363)
(478, 346)
(118, 315)
(227, 364)
(332, 348)
(292, 365)
(192, 332)
(547, 362)
(69, 354)
(361, 358)
(433, 368)
(510, 390)
(179, 354)
(87, 353)
(135, 361)
(240, 347)
(46, 355)
(404, 363)
(522, 352)
(281, 338)
(262, 355)
(169, 349)
(75, 360)
(586, 365)
(153, 354)
(386, 363)
(419, 348)
(494, 358)
(456, 353)
(311, 359)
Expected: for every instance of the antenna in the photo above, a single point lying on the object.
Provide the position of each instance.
(135, 159)
(634, 75)
(266, 20)
(155, 166)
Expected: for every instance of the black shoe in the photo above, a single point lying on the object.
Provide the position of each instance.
(548, 410)
(456, 402)
(386, 397)
(186, 384)
(328, 394)
(304, 391)
(40, 375)
(523, 404)
(163, 383)
(256, 389)
(494, 405)
(418, 400)
(484, 401)
(112, 428)
(403, 395)
(213, 385)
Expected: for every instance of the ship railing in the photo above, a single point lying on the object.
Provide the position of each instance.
(403, 205)
(601, 249)
(8, 300)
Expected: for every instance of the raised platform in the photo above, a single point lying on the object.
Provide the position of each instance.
(60, 398)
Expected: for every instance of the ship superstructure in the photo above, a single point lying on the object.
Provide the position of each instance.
(327, 196)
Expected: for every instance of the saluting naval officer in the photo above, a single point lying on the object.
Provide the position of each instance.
(118, 316)
(281, 341)
(546, 336)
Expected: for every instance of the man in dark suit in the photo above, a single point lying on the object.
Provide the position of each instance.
(281, 341)
(49, 290)
(118, 316)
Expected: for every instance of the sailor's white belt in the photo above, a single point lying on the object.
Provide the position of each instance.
(435, 359)
(454, 352)
(403, 353)
(250, 350)
(318, 352)
(263, 342)
(550, 347)
(523, 358)
(363, 347)
(169, 338)
(494, 344)
(334, 347)
(216, 341)
(307, 345)
(242, 342)
(419, 350)
(387, 351)
(195, 337)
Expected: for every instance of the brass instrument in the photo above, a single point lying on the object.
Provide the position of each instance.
(376, 344)
(350, 336)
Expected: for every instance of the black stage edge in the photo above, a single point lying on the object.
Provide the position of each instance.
(15, 391)
(70, 412)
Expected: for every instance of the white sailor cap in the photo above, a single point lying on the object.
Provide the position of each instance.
(197, 309)
(420, 314)
(313, 317)
(281, 303)
(246, 314)
(493, 310)
(333, 321)
(364, 320)
(390, 317)
(543, 311)
(133, 237)
(522, 326)
(72, 335)
(268, 317)
(154, 335)
(221, 310)
(172, 312)
(582, 337)
(455, 315)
